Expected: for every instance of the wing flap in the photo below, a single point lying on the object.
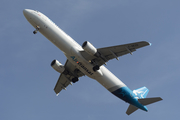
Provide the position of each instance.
(62, 83)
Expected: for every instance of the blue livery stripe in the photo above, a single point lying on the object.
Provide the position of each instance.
(127, 95)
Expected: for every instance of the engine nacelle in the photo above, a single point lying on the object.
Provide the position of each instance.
(89, 48)
(56, 65)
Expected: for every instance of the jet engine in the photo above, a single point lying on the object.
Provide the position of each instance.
(56, 65)
(89, 48)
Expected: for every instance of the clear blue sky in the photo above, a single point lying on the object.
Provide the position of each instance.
(27, 80)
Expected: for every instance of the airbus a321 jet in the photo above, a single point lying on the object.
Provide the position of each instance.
(87, 60)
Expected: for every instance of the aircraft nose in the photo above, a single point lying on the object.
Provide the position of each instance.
(26, 12)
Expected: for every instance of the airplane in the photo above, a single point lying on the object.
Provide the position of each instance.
(87, 60)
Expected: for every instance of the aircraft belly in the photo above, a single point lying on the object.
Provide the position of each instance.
(109, 80)
(71, 50)
(103, 75)
(57, 37)
(114, 85)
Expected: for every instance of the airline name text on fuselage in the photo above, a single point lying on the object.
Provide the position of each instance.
(81, 65)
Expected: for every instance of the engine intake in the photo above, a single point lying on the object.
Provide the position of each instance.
(56, 65)
(89, 48)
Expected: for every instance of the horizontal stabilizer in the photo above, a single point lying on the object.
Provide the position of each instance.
(131, 109)
(147, 101)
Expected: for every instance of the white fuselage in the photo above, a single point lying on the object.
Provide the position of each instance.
(71, 48)
(72, 51)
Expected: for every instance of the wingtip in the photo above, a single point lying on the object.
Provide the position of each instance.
(57, 94)
(160, 98)
(150, 43)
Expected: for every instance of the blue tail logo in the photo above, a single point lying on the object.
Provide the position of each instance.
(141, 92)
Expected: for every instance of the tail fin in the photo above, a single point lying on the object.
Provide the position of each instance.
(141, 92)
(147, 101)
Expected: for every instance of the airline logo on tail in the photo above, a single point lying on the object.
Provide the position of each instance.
(141, 92)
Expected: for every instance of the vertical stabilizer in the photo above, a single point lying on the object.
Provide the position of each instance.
(141, 92)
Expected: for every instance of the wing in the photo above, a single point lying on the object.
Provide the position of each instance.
(66, 77)
(109, 53)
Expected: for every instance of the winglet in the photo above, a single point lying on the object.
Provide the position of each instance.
(57, 94)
